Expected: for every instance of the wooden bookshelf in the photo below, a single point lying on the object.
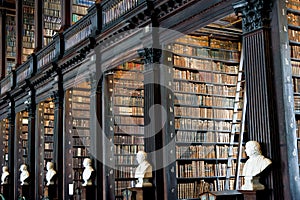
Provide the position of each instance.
(10, 43)
(22, 137)
(127, 99)
(52, 19)
(204, 81)
(78, 132)
(28, 40)
(293, 16)
(4, 128)
(45, 120)
(79, 9)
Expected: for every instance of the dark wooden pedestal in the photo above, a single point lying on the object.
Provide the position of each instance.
(248, 194)
(5, 191)
(146, 193)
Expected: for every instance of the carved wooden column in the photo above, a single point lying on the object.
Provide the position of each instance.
(259, 74)
(2, 46)
(39, 19)
(58, 97)
(31, 107)
(159, 121)
(11, 144)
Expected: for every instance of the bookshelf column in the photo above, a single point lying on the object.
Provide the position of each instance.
(11, 155)
(58, 97)
(2, 47)
(261, 109)
(38, 18)
(31, 140)
(159, 121)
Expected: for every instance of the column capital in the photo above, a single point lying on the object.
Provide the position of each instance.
(254, 13)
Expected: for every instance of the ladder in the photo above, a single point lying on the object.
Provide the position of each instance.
(234, 129)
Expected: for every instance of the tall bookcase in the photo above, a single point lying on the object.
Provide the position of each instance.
(293, 16)
(127, 100)
(28, 29)
(45, 120)
(22, 137)
(4, 141)
(204, 78)
(52, 19)
(10, 43)
(78, 133)
(79, 9)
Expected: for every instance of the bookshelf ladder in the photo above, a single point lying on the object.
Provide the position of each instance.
(235, 129)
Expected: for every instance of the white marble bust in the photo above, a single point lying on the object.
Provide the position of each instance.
(24, 174)
(254, 166)
(4, 176)
(143, 171)
(87, 172)
(50, 173)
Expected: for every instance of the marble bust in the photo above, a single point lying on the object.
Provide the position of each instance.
(256, 164)
(24, 176)
(4, 176)
(87, 172)
(50, 173)
(143, 171)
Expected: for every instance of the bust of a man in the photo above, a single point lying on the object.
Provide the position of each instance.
(87, 172)
(256, 164)
(50, 173)
(143, 171)
(4, 176)
(24, 176)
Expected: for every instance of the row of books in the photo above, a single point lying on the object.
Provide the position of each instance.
(203, 88)
(120, 120)
(129, 101)
(202, 169)
(193, 136)
(128, 139)
(132, 92)
(202, 125)
(295, 51)
(81, 151)
(201, 100)
(128, 83)
(202, 52)
(204, 64)
(204, 76)
(298, 128)
(82, 141)
(192, 112)
(124, 172)
(120, 186)
(128, 149)
(85, 123)
(294, 4)
(206, 41)
(81, 132)
(80, 10)
(81, 99)
(296, 84)
(126, 159)
(131, 66)
(49, 146)
(133, 76)
(77, 162)
(294, 35)
(129, 129)
(122, 110)
(295, 68)
(204, 152)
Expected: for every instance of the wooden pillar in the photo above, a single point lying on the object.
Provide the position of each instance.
(38, 19)
(159, 120)
(11, 150)
(96, 133)
(58, 97)
(259, 74)
(2, 46)
(31, 141)
(66, 11)
(19, 31)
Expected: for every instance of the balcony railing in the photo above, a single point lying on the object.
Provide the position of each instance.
(25, 70)
(112, 10)
(6, 83)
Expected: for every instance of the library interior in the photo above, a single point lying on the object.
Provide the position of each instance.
(150, 99)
